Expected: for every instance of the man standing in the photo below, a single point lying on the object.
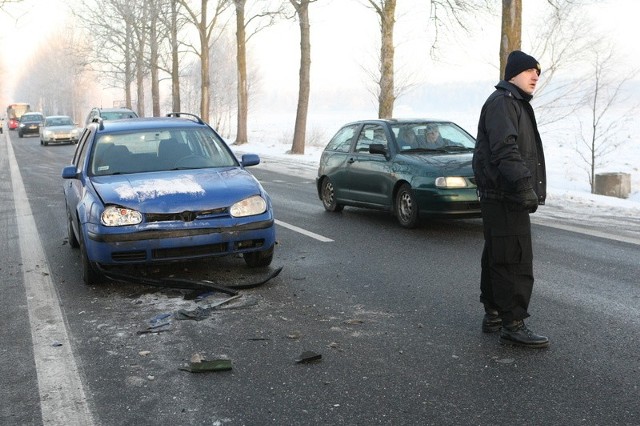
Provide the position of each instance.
(510, 173)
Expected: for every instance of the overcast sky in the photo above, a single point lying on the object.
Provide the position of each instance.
(345, 39)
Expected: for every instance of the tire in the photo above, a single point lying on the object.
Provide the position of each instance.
(328, 196)
(406, 208)
(258, 259)
(90, 274)
(73, 241)
(20, 134)
(46, 143)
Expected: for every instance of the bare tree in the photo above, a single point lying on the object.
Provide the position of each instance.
(511, 34)
(304, 88)
(205, 27)
(246, 21)
(600, 136)
(445, 15)
(386, 9)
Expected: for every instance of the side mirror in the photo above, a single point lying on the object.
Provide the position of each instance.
(69, 172)
(377, 148)
(250, 160)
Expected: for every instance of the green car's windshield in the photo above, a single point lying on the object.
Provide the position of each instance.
(158, 150)
(420, 137)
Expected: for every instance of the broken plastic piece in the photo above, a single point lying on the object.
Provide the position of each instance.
(309, 356)
(205, 366)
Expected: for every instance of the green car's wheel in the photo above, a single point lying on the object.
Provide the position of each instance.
(406, 208)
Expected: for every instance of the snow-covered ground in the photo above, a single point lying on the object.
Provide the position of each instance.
(570, 204)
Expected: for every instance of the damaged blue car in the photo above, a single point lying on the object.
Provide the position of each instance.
(163, 189)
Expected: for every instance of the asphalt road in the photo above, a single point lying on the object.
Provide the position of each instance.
(393, 313)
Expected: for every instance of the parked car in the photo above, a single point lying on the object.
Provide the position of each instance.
(152, 190)
(30, 123)
(59, 129)
(110, 114)
(407, 167)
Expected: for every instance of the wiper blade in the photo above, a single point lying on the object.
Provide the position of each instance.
(457, 148)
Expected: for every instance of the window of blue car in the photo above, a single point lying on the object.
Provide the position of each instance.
(341, 142)
(158, 150)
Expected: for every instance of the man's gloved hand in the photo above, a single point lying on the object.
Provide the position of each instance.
(527, 197)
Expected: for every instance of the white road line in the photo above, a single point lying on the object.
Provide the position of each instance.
(62, 397)
(304, 232)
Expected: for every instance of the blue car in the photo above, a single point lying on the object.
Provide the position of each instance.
(163, 189)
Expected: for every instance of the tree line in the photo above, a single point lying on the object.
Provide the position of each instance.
(198, 49)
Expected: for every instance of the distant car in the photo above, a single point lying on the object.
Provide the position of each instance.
(110, 114)
(152, 190)
(30, 123)
(59, 129)
(407, 167)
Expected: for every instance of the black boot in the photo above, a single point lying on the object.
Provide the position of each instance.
(491, 321)
(516, 333)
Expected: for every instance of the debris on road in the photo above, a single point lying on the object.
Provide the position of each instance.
(308, 356)
(203, 366)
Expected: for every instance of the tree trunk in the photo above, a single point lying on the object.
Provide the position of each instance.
(153, 51)
(175, 70)
(241, 59)
(299, 133)
(511, 36)
(387, 95)
(205, 81)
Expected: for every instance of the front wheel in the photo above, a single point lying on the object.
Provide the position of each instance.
(90, 274)
(406, 208)
(328, 195)
(258, 259)
(73, 241)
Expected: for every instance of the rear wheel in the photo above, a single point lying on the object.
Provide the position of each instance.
(328, 195)
(258, 259)
(406, 208)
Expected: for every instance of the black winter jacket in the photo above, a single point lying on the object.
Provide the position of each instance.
(508, 156)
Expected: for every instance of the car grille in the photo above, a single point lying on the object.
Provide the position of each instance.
(186, 252)
(186, 216)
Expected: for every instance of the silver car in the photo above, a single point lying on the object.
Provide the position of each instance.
(59, 129)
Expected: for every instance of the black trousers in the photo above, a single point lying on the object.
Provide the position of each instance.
(506, 280)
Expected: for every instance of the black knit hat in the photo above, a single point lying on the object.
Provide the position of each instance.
(517, 62)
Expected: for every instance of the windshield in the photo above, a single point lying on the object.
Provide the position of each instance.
(159, 150)
(58, 121)
(432, 136)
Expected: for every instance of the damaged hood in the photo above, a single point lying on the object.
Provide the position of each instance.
(177, 191)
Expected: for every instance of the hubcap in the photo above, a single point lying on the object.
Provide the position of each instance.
(405, 207)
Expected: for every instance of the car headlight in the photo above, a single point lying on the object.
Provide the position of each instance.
(120, 216)
(48, 133)
(74, 133)
(451, 182)
(249, 207)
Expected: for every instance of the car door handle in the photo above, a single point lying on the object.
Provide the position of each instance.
(351, 160)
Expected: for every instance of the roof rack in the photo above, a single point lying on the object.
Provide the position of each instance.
(98, 120)
(192, 117)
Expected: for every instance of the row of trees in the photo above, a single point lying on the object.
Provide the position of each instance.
(136, 47)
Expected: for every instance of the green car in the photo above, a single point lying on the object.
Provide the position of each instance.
(411, 168)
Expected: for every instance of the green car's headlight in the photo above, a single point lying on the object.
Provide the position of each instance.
(451, 182)
(120, 216)
(249, 206)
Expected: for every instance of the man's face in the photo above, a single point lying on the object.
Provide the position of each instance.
(432, 135)
(526, 80)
